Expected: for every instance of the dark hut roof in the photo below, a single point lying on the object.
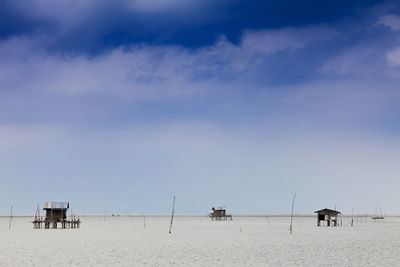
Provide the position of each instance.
(56, 205)
(327, 211)
(220, 208)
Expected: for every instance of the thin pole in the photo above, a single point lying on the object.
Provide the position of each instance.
(172, 215)
(38, 211)
(9, 226)
(352, 216)
(291, 215)
(268, 221)
(37, 218)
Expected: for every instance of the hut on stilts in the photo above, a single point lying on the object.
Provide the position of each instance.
(329, 216)
(378, 216)
(56, 215)
(219, 214)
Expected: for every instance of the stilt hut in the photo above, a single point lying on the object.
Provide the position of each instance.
(329, 216)
(379, 215)
(56, 213)
(219, 214)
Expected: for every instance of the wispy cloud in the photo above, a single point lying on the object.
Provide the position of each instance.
(143, 72)
(392, 21)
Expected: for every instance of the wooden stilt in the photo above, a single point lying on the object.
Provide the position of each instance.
(172, 215)
(9, 226)
(291, 215)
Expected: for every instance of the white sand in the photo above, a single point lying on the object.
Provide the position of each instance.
(198, 241)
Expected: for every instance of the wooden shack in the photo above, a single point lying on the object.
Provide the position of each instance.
(379, 215)
(219, 214)
(329, 216)
(56, 213)
(378, 218)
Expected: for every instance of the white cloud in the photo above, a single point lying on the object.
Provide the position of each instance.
(145, 72)
(270, 41)
(154, 6)
(364, 60)
(24, 138)
(392, 21)
(393, 56)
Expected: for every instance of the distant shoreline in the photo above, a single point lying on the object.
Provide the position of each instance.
(205, 216)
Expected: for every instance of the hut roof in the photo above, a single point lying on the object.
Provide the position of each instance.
(56, 205)
(326, 211)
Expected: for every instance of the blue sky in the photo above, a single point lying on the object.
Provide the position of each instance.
(116, 106)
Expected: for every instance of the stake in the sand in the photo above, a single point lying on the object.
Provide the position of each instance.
(352, 216)
(291, 215)
(37, 221)
(172, 215)
(9, 226)
(269, 223)
(338, 213)
(37, 214)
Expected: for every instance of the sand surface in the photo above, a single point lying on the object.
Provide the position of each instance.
(197, 241)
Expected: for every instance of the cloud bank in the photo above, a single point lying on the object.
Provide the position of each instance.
(270, 111)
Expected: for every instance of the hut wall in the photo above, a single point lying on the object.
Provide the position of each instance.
(55, 215)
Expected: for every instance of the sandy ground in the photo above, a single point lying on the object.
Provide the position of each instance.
(197, 241)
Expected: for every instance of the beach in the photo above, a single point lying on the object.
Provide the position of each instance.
(198, 241)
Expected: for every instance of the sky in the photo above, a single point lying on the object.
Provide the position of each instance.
(117, 106)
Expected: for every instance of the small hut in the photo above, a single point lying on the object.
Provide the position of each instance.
(330, 216)
(219, 214)
(56, 213)
(379, 215)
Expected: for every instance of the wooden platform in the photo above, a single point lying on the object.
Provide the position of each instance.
(67, 224)
(221, 218)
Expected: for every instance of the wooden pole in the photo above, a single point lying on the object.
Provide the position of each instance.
(36, 223)
(172, 215)
(352, 216)
(268, 221)
(38, 211)
(341, 221)
(291, 215)
(9, 226)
